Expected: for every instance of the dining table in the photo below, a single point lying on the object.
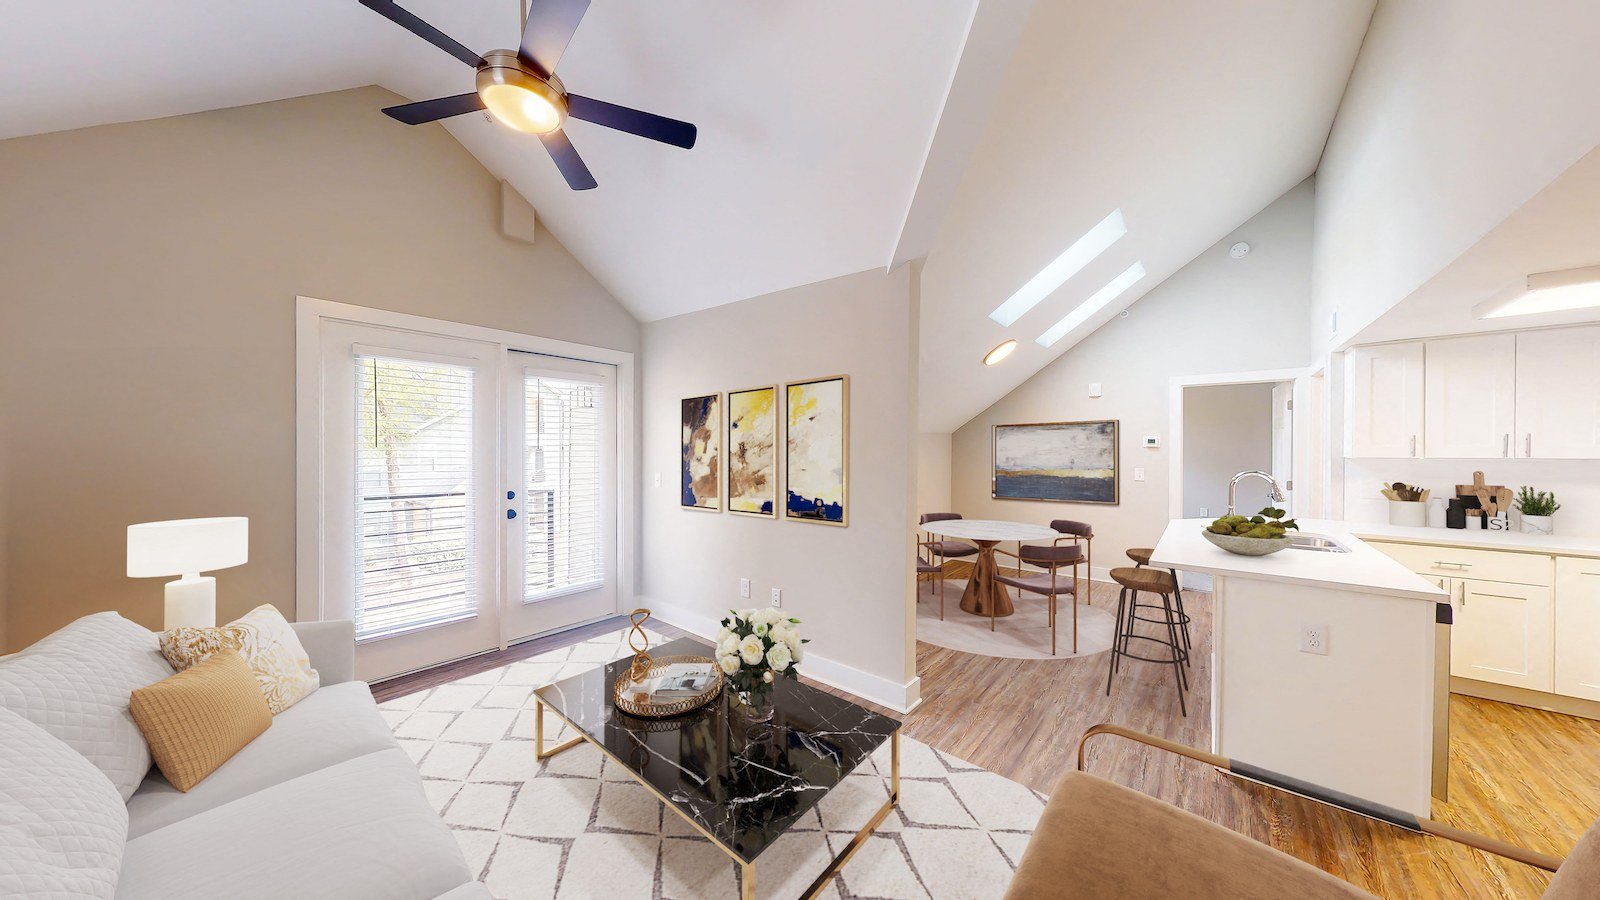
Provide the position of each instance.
(984, 596)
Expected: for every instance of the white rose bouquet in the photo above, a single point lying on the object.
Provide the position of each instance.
(754, 648)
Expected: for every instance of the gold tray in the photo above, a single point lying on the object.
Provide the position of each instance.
(662, 710)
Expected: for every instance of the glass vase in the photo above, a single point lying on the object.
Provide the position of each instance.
(756, 706)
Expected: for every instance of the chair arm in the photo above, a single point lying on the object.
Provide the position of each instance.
(332, 648)
(1330, 797)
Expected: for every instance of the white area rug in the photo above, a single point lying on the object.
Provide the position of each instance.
(1024, 634)
(576, 826)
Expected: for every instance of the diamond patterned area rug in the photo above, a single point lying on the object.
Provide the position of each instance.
(577, 826)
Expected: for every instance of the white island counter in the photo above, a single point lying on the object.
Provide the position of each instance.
(1366, 711)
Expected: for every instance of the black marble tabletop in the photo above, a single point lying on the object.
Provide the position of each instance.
(743, 782)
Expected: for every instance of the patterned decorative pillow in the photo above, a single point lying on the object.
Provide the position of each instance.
(263, 637)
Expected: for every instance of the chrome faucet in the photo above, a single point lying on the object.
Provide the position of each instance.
(1233, 485)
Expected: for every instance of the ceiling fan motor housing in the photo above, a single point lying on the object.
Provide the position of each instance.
(504, 82)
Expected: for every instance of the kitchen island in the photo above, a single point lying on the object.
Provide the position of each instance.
(1330, 667)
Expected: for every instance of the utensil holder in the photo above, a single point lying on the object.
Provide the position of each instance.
(1408, 512)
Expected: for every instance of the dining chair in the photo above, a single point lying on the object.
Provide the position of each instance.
(1052, 560)
(940, 549)
(1077, 533)
(926, 567)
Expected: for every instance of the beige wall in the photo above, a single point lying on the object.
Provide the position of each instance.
(851, 586)
(147, 321)
(1227, 428)
(933, 472)
(1215, 315)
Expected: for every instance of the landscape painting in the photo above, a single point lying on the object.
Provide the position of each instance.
(1071, 462)
(701, 470)
(753, 451)
(817, 441)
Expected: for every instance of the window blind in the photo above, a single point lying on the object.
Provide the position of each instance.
(415, 495)
(565, 548)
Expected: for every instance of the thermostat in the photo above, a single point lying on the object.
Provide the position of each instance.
(1152, 441)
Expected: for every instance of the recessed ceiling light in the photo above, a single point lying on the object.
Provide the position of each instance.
(993, 357)
(1548, 292)
(1094, 304)
(1074, 258)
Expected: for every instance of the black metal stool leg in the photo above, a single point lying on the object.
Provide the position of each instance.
(1178, 654)
(1183, 615)
(1116, 639)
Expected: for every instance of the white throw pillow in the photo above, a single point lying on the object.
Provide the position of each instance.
(63, 827)
(75, 684)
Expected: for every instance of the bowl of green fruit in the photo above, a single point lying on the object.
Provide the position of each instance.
(1258, 535)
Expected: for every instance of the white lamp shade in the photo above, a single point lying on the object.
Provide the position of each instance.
(187, 546)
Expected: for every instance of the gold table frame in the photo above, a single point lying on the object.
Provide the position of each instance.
(747, 870)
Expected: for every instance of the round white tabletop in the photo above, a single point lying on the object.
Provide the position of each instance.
(989, 530)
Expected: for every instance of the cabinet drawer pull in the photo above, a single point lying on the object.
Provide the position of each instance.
(1437, 564)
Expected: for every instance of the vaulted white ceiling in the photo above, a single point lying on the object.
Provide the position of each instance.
(814, 117)
(1188, 117)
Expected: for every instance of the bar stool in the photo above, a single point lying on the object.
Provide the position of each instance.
(1141, 558)
(1150, 581)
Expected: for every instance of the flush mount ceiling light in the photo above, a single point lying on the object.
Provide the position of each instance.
(1069, 263)
(1546, 292)
(995, 356)
(1094, 304)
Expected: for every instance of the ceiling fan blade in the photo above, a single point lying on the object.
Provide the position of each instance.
(549, 30)
(568, 161)
(421, 29)
(633, 121)
(424, 111)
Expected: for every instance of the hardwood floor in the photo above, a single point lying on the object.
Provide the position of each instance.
(1528, 776)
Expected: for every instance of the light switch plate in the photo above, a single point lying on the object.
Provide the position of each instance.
(658, 479)
(1138, 473)
(744, 589)
(777, 597)
(1094, 388)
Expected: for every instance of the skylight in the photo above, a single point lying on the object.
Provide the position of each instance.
(1074, 258)
(1094, 304)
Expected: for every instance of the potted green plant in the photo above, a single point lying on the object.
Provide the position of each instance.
(1538, 509)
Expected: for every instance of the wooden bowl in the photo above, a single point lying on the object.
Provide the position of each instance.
(1247, 546)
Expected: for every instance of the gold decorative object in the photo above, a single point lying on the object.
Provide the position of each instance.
(639, 642)
(635, 703)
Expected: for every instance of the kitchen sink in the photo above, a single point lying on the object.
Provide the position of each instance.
(1315, 542)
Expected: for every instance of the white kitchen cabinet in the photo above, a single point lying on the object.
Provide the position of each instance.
(1384, 400)
(1503, 633)
(1577, 663)
(1470, 397)
(1558, 394)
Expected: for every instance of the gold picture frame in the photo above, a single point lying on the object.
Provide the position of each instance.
(735, 451)
(815, 508)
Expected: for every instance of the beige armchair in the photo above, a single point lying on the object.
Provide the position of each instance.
(1098, 839)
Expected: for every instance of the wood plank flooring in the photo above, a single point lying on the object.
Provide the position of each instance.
(1521, 774)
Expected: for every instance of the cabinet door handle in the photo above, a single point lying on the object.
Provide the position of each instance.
(1527, 445)
(1505, 445)
(1414, 445)
(1463, 586)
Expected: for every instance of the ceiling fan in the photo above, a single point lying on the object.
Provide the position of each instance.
(520, 88)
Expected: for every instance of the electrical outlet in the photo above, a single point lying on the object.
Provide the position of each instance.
(777, 598)
(744, 589)
(1314, 639)
(1205, 511)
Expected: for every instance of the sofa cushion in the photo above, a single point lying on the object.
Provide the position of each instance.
(62, 822)
(359, 829)
(199, 718)
(75, 684)
(1097, 839)
(336, 723)
(266, 642)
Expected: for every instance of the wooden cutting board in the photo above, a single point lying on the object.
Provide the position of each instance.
(1492, 497)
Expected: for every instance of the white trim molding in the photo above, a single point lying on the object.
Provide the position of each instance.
(310, 316)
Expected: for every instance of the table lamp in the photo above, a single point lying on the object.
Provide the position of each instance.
(187, 547)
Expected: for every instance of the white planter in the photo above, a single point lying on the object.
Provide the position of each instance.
(1538, 524)
(1408, 512)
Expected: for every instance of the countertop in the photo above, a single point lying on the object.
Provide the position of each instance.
(1516, 542)
(1363, 570)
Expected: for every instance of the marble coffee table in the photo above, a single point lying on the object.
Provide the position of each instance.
(740, 784)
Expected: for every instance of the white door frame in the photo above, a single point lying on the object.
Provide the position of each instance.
(1301, 377)
(311, 313)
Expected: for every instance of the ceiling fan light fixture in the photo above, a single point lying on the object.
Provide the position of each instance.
(519, 99)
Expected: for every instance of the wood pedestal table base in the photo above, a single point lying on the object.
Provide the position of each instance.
(984, 596)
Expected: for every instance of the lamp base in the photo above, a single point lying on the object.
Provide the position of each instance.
(191, 602)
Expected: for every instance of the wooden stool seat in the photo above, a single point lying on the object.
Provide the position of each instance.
(1141, 555)
(1156, 581)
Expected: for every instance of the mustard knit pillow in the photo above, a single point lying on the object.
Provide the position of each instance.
(199, 718)
(269, 646)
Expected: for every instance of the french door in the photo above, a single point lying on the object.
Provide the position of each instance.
(468, 494)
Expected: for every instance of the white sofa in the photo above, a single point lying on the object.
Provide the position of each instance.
(322, 804)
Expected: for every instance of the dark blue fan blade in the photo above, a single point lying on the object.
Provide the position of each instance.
(568, 161)
(433, 110)
(421, 29)
(633, 121)
(549, 30)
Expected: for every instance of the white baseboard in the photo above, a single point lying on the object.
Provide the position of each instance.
(902, 698)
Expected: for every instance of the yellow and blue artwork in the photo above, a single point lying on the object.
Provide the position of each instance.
(701, 474)
(753, 451)
(817, 446)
